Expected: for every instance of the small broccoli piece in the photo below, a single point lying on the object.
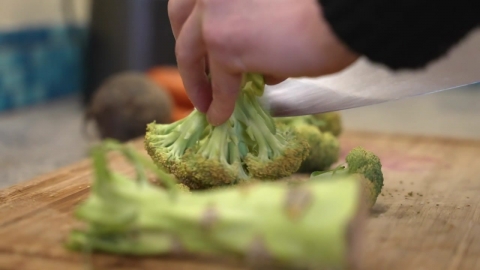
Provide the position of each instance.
(369, 166)
(368, 169)
(332, 122)
(249, 145)
(324, 147)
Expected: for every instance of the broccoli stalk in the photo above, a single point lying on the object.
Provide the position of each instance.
(366, 167)
(248, 146)
(311, 224)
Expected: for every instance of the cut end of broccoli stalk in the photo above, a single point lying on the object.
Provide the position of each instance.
(110, 205)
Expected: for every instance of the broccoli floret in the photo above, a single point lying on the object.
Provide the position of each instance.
(216, 160)
(332, 122)
(364, 164)
(249, 145)
(301, 120)
(324, 147)
(167, 143)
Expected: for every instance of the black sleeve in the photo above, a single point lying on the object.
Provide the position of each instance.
(401, 33)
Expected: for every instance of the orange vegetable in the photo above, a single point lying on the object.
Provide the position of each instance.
(169, 78)
(179, 113)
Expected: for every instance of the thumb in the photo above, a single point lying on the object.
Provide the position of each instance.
(225, 89)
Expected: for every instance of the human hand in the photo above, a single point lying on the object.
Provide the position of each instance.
(276, 38)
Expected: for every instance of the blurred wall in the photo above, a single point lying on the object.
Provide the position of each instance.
(126, 35)
(21, 14)
(41, 50)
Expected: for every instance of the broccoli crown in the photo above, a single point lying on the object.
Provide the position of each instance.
(301, 120)
(249, 145)
(331, 122)
(324, 149)
(367, 164)
(326, 122)
(281, 156)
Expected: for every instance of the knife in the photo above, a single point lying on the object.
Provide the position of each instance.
(366, 83)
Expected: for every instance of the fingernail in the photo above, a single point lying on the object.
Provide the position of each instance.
(202, 109)
(213, 118)
(204, 105)
(202, 99)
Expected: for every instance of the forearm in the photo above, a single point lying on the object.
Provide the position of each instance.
(401, 33)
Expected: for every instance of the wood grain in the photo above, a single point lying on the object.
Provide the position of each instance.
(426, 218)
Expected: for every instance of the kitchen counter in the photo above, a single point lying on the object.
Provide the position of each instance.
(45, 137)
(39, 139)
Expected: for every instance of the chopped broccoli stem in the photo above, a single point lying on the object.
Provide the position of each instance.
(306, 225)
(367, 168)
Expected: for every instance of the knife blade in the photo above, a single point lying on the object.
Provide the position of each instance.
(366, 83)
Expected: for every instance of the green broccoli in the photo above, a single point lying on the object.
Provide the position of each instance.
(324, 147)
(249, 145)
(366, 166)
(312, 225)
(332, 122)
(183, 187)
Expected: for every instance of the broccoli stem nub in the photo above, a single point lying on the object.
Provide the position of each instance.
(222, 145)
(268, 120)
(269, 145)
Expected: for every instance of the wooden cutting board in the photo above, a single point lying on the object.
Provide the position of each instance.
(426, 218)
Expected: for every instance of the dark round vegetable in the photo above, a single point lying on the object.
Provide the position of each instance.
(125, 103)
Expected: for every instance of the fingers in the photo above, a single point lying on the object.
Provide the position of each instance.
(178, 13)
(190, 51)
(271, 80)
(225, 89)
